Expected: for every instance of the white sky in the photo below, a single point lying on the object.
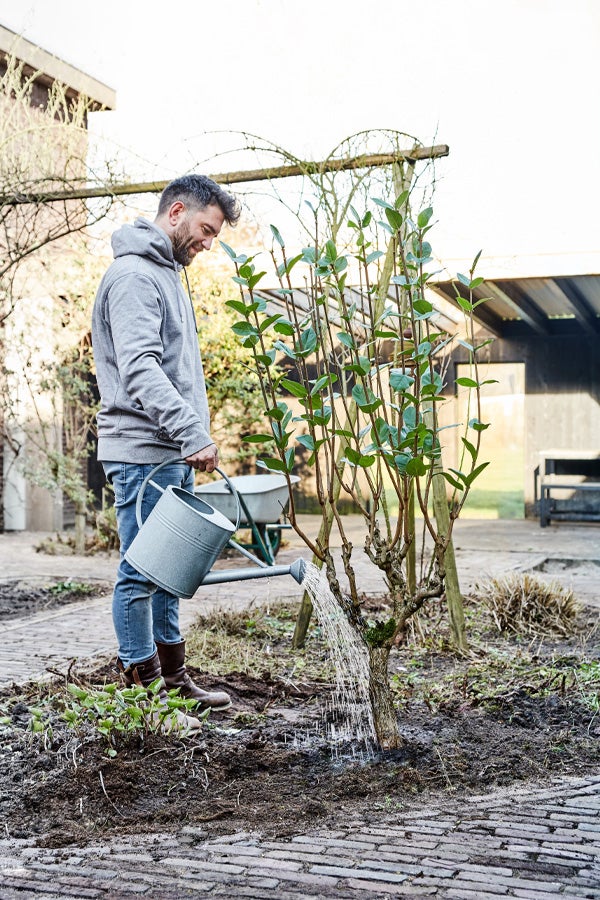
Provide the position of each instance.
(511, 85)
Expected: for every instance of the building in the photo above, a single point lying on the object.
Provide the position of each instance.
(24, 504)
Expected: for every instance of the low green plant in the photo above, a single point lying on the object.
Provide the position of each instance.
(118, 713)
(500, 677)
(71, 587)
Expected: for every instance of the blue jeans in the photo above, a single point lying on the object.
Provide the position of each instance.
(142, 612)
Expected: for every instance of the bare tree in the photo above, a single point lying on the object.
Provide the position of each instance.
(44, 148)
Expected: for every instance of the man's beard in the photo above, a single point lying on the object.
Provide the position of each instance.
(181, 246)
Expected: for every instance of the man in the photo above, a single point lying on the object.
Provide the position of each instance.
(154, 408)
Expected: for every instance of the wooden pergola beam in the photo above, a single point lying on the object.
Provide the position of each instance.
(286, 171)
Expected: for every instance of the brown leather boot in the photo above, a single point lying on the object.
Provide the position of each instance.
(143, 674)
(172, 662)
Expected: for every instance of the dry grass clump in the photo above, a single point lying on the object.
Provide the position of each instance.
(526, 604)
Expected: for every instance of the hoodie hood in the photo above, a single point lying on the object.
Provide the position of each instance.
(144, 238)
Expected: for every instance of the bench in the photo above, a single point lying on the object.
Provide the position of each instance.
(547, 508)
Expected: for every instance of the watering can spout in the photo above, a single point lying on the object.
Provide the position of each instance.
(297, 570)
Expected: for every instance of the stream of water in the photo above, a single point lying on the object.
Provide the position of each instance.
(348, 714)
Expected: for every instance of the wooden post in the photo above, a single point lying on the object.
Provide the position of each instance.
(454, 598)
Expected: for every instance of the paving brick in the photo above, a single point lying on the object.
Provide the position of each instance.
(471, 867)
(266, 862)
(455, 893)
(387, 866)
(394, 890)
(495, 890)
(302, 877)
(341, 843)
(582, 850)
(540, 895)
(343, 872)
(510, 881)
(39, 887)
(200, 864)
(238, 849)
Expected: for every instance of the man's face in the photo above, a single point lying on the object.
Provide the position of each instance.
(195, 231)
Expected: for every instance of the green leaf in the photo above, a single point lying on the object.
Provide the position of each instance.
(267, 359)
(298, 390)
(362, 367)
(475, 283)
(307, 441)
(402, 460)
(323, 381)
(376, 254)
(238, 306)
(466, 382)
(394, 218)
(346, 339)
(284, 327)
(422, 307)
(277, 235)
(382, 203)
(424, 217)
(365, 399)
(273, 465)
(330, 251)
(268, 321)
(473, 475)
(477, 425)
(252, 282)
(288, 351)
(464, 304)
(228, 250)
(399, 381)
(366, 460)
(243, 329)
(456, 484)
(286, 268)
(258, 438)
(470, 448)
(434, 381)
(416, 466)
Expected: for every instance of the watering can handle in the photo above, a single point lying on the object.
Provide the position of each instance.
(169, 462)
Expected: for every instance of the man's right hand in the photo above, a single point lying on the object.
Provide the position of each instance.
(205, 460)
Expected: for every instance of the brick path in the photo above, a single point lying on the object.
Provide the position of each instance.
(537, 844)
(530, 842)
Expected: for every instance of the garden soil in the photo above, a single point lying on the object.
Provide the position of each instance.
(266, 764)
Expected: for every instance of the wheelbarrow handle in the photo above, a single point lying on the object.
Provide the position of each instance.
(169, 462)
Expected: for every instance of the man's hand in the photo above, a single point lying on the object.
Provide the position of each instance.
(205, 460)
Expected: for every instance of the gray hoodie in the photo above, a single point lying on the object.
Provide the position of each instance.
(153, 396)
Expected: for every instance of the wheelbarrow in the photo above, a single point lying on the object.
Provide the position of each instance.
(263, 500)
(178, 543)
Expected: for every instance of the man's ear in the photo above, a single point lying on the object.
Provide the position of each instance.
(175, 212)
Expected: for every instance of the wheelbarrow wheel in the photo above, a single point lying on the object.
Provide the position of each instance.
(270, 537)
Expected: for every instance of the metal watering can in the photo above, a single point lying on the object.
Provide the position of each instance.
(177, 544)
